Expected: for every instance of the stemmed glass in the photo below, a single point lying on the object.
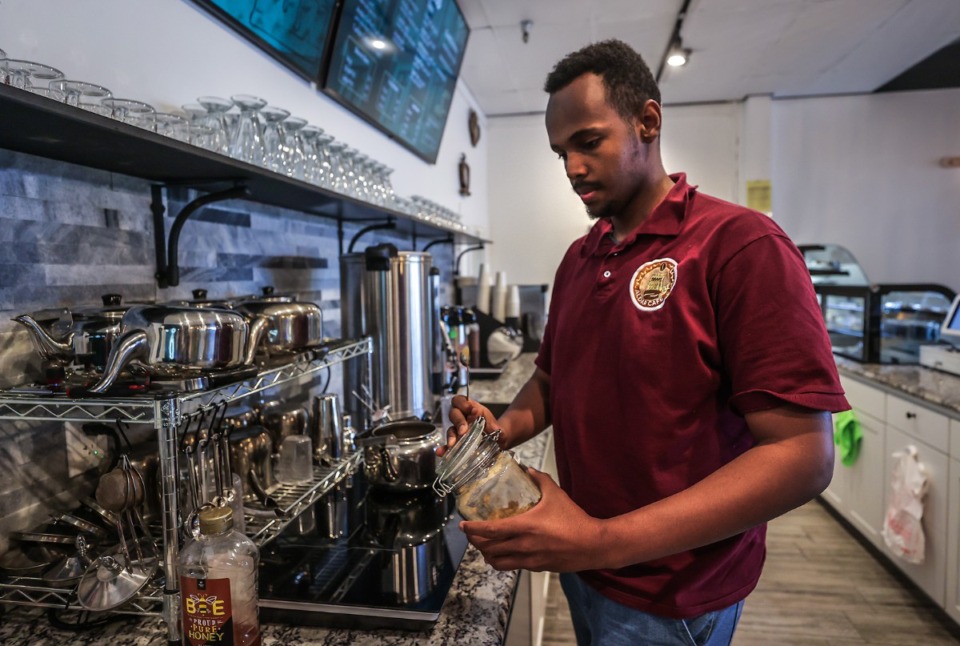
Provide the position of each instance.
(136, 113)
(204, 128)
(338, 173)
(361, 181)
(383, 191)
(81, 94)
(173, 126)
(348, 183)
(311, 154)
(247, 142)
(28, 75)
(273, 137)
(219, 120)
(292, 154)
(324, 157)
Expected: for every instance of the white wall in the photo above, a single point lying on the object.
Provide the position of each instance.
(535, 215)
(862, 171)
(168, 52)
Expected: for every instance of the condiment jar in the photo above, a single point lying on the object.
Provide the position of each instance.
(488, 483)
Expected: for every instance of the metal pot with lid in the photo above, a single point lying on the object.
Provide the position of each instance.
(170, 341)
(402, 455)
(201, 300)
(292, 326)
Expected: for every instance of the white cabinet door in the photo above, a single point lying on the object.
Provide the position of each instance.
(857, 491)
(864, 399)
(866, 483)
(920, 422)
(931, 574)
(952, 604)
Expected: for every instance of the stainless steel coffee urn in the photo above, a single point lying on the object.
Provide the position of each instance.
(385, 294)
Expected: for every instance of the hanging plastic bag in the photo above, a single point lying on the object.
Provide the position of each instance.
(902, 526)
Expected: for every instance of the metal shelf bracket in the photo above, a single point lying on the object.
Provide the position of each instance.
(168, 267)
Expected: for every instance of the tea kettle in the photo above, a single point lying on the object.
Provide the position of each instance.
(173, 341)
(91, 336)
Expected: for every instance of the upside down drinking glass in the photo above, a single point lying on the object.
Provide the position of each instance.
(247, 143)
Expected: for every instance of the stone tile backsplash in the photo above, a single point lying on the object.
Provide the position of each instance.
(69, 234)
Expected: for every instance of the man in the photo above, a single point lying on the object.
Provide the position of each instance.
(686, 372)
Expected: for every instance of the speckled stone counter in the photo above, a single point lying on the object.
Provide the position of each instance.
(475, 613)
(930, 386)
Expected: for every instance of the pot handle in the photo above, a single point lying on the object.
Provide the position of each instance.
(132, 345)
(265, 498)
(379, 462)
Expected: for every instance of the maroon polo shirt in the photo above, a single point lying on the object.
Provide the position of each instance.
(656, 347)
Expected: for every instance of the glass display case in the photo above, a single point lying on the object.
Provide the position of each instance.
(873, 323)
(883, 323)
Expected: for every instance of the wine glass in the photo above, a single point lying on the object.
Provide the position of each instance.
(247, 142)
(311, 153)
(174, 126)
(136, 113)
(338, 173)
(28, 75)
(292, 154)
(348, 183)
(324, 157)
(273, 137)
(88, 96)
(217, 110)
(203, 127)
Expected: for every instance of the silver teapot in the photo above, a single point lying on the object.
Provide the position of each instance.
(91, 335)
(293, 326)
(171, 341)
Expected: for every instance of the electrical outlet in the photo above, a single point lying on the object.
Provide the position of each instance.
(83, 453)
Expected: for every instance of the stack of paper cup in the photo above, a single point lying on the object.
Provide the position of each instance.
(499, 298)
(483, 290)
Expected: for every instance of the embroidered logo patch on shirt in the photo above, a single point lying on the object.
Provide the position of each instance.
(652, 283)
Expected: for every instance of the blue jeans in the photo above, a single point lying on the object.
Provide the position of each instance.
(598, 621)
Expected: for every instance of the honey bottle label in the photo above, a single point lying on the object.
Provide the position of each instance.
(207, 611)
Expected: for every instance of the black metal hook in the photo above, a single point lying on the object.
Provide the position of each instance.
(456, 271)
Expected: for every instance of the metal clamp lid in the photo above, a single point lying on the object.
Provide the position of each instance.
(472, 453)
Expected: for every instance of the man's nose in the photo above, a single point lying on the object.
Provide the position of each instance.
(575, 167)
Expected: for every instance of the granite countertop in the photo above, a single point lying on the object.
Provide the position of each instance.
(926, 384)
(476, 610)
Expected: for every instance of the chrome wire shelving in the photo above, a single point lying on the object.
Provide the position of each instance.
(29, 404)
(166, 412)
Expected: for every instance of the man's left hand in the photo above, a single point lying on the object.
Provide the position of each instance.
(556, 535)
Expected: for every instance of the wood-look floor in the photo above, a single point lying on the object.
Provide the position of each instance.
(819, 587)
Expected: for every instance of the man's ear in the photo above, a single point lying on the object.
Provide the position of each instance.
(647, 125)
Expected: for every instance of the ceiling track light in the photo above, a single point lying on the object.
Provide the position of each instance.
(677, 55)
(525, 27)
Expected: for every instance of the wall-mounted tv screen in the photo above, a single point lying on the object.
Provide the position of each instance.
(395, 63)
(295, 32)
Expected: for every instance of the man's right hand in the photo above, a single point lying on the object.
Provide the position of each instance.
(463, 411)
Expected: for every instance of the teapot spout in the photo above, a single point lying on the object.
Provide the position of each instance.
(257, 329)
(132, 345)
(48, 347)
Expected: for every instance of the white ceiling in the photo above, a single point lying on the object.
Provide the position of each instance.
(740, 47)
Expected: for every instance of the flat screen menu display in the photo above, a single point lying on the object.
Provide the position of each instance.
(395, 63)
(295, 32)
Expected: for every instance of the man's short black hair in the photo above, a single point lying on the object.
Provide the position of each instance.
(625, 75)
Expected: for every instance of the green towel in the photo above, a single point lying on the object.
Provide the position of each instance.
(847, 434)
